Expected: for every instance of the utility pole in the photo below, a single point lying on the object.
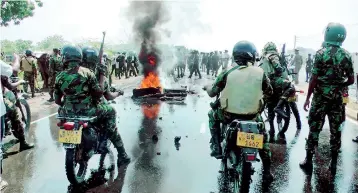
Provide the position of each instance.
(294, 43)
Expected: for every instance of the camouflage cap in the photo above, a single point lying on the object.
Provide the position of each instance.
(270, 46)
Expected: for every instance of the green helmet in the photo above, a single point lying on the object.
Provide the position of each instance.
(90, 55)
(270, 46)
(335, 34)
(28, 52)
(71, 53)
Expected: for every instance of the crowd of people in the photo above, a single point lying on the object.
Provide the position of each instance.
(72, 69)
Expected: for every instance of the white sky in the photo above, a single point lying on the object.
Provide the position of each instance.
(203, 24)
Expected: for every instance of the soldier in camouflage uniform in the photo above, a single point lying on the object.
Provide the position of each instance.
(55, 68)
(270, 63)
(332, 72)
(82, 94)
(233, 84)
(28, 65)
(12, 113)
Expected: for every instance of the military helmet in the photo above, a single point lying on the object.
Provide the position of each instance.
(243, 52)
(28, 52)
(71, 53)
(270, 46)
(335, 34)
(90, 55)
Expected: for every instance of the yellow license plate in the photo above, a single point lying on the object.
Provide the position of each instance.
(292, 99)
(70, 136)
(250, 140)
(345, 100)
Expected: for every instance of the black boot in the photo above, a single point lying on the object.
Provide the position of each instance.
(333, 163)
(123, 158)
(272, 131)
(307, 163)
(215, 144)
(296, 113)
(266, 173)
(25, 146)
(279, 109)
(355, 140)
(51, 97)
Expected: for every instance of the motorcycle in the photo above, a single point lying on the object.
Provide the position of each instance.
(22, 106)
(241, 140)
(81, 139)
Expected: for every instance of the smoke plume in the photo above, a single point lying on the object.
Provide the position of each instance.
(147, 17)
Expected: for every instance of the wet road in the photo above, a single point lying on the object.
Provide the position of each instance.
(158, 167)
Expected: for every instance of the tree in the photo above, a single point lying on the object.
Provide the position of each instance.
(22, 45)
(8, 47)
(17, 46)
(17, 10)
(55, 41)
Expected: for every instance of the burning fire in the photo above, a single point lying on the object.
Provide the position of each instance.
(151, 81)
(151, 111)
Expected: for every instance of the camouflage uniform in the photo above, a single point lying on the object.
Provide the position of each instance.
(332, 65)
(77, 90)
(28, 65)
(282, 87)
(55, 68)
(217, 115)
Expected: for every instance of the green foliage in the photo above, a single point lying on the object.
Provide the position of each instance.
(18, 46)
(55, 41)
(17, 10)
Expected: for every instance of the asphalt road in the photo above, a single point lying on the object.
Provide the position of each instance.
(158, 167)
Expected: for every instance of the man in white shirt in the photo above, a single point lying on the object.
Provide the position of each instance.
(6, 70)
(225, 60)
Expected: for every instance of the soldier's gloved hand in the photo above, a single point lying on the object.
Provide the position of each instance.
(23, 81)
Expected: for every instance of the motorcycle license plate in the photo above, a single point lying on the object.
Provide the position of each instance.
(292, 99)
(70, 136)
(345, 100)
(250, 140)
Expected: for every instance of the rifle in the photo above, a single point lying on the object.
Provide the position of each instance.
(283, 57)
(101, 76)
(101, 49)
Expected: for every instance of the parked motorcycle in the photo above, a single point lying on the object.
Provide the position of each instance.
(81, 139)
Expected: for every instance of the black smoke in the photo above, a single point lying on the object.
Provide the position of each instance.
(147, 17)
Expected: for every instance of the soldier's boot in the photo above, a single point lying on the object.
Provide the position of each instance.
(123, 158)
(333, 163)
(272, 131)
(23, 144)
(266, 173)
(296, 113)
(306, 165)
(355, 140)
(51, 97)
(279, 108)
(215, 144)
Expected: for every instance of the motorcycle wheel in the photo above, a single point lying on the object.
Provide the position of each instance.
(27, 113)
(245, 178)
(73, 176)
(287, 111)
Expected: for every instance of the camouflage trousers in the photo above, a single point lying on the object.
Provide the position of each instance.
(12, 116)
(29, 76)
(216, 117)
(335, 110)
(52, 80)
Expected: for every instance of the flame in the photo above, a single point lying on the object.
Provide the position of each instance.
(151, 81)
(151, 111)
